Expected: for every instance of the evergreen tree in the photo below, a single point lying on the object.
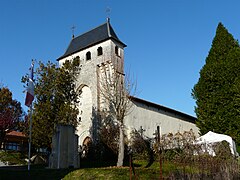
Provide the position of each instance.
(56, 100)
(218, 88)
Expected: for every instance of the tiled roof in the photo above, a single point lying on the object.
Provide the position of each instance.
(15, 133)
(90, 38)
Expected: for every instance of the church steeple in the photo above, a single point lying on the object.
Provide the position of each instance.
(99, 34)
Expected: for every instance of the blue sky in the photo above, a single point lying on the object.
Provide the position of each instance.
(167, 40)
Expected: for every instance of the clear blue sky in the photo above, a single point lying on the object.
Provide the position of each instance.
(167, 40)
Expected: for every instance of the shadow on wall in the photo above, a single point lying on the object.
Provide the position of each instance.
(102, 145)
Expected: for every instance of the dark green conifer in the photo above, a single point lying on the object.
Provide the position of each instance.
(217, 91)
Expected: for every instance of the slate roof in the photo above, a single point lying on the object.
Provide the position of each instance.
(90, 38)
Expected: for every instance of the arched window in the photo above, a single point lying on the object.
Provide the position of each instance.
(116, 50)
(99, 51)
(88, 55)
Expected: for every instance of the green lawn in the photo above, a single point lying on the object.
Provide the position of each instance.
(89, 170)
(116, 173)
(140, 169)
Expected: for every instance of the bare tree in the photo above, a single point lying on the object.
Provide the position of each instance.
(115, 90)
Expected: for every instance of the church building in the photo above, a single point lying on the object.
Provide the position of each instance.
(100, 49)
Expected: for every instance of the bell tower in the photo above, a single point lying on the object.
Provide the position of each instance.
(97, 48)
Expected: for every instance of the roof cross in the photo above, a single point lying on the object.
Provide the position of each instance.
(141, 130)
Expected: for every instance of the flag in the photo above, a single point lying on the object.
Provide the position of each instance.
(30, 88)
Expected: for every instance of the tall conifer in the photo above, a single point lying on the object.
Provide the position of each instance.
(217, 90)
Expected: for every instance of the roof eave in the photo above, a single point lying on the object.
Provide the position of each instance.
(66, 55)
(190, 118)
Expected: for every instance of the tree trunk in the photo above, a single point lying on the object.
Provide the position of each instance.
(121, 147)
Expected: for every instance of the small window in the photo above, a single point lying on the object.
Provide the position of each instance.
(116, 50)
(88, 55)
(99, 51)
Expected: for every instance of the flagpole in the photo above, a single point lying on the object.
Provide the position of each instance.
(28, 102)
(30, 139)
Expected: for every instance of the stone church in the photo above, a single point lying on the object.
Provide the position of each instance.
(100, 49)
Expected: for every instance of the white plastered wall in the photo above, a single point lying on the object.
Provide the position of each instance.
(148, 118)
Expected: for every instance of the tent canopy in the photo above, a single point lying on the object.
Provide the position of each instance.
(211, 138)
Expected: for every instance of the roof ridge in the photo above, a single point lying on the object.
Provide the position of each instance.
(162, 106)
(90, 30)
(108, 28)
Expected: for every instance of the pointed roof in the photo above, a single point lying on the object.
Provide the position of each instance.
(90, 38)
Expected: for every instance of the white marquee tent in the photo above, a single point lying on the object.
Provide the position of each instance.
(209, 139)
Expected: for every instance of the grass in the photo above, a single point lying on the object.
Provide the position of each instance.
(110, 173)
(122, 173)
(88, 170)
(141, 172)
(99, 173)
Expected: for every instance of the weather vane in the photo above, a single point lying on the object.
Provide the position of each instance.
(108, 12)
(73, 28)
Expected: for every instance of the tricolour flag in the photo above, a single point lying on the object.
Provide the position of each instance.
(30, 88)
